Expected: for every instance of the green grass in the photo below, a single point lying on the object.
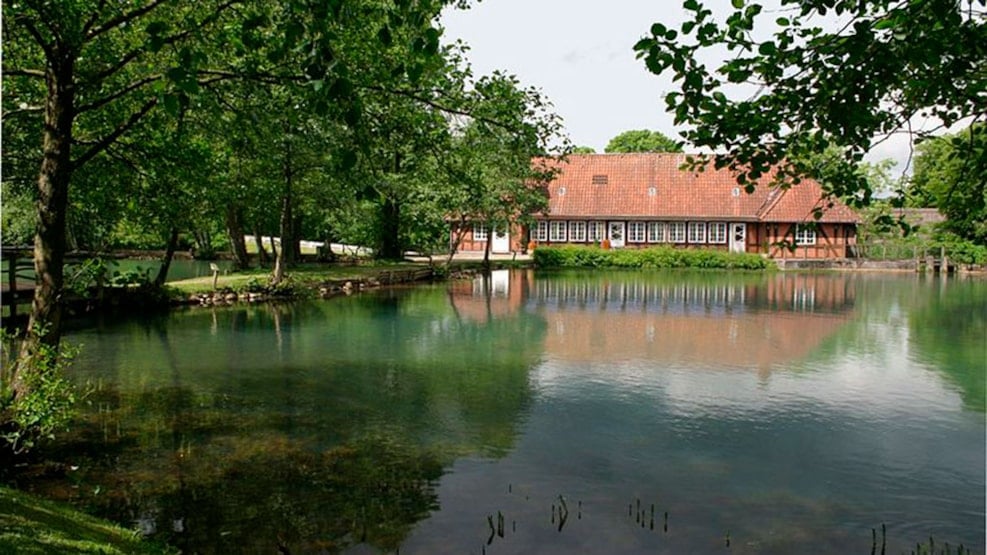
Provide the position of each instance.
(302, 274)
(32, 525)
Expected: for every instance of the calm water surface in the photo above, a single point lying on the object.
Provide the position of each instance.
(547, 413)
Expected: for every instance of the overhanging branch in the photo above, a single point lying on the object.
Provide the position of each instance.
(122, 92)
(417, 97)
(106, 141)
(122, 18)
(36, 73)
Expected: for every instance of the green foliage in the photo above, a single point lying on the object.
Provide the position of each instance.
(16, 219)
(574, 256)
(42, 404)
(839, 72)
(642, 140)
(951, 174)
(961, 250)
(583, 150)
(99, 272)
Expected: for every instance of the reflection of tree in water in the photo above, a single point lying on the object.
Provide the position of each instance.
(178, 467)
(274, 491)
(951, 332)
(320, 427)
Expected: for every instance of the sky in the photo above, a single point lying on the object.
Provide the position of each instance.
(580, 55)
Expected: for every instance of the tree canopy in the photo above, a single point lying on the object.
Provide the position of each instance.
(815, 73)
(642, 140)
(283, 118)
(951, 175)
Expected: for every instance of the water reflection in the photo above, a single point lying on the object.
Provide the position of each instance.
(314, 425)
(712, 321)
(794, 411)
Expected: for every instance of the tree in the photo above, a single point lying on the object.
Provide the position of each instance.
(642, 140)
(94, 70)
(831, 72)
(87, 73)
(951, 175)
(583, 150)
(494, 180)
(84, 74)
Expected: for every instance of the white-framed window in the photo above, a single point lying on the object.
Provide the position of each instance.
(577, 232)
(676, 232)
(556, 231)
(697, 232)
(595, 231)
(805, 235)
(636, 232)
(718, 232)
(656, 232)
(540, 232)
(479, 232)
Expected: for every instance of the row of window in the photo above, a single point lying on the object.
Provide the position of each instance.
(637, 232)
(559, 231)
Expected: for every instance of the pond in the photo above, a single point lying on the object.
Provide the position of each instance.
(179, 269)
(546, 413)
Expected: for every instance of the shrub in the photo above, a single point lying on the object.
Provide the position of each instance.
(574, 256)
(962, 250)
(48, 403)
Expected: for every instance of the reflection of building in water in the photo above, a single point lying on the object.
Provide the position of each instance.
(760, 323)
(494, 296)
(799, 293)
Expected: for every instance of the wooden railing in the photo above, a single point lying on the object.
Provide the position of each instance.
(18, 280)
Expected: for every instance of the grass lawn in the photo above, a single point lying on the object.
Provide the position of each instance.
(301, 274)
(32, 525)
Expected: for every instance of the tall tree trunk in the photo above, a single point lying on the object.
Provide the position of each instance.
(296, 236)
(262, 256)
(390, 221)
(44, 326)
(203, 245)
(169, 255)
(486, 250)
(234, 228)
(458, 232)
(285, 254)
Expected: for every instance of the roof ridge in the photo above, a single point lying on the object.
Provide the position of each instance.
(770, 201)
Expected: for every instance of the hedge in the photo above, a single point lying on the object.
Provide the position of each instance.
(574, 256)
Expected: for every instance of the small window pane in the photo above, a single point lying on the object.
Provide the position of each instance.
(805, 235)
(656, 232)
(556, 232)
(541, 231)
(635, 232)
(697, 232)
(577, 232)
(595, 231)
(676, 232)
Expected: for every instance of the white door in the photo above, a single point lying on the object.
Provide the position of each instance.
(738, 237)
(501, 242)
(616, 234)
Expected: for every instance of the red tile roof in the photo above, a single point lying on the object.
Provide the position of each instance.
(651, 186)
